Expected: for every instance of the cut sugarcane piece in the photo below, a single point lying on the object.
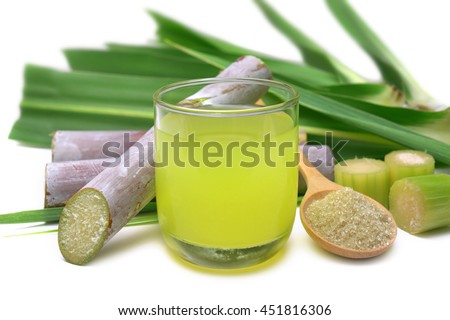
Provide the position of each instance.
(101, 208)
(408, 163)
(64, 179)
(421, 203)
(367, 176)
(81, 145)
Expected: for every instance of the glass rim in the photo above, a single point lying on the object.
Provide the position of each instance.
(159, 102)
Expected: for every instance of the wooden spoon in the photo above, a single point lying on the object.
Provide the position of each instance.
(319, 187)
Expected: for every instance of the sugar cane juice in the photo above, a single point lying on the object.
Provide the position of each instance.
(226, 182)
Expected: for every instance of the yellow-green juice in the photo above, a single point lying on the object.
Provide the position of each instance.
(233, 202)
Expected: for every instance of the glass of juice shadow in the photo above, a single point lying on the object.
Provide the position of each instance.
(226, 171)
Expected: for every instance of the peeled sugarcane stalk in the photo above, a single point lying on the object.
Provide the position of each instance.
(101, 208)
(64, 179)
(81, 145)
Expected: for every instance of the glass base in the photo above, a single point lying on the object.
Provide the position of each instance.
(230, 258)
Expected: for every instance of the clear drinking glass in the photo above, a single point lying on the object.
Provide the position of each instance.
(226, 175)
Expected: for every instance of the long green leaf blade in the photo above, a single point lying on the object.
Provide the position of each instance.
(157, 50)
(375, 124)
(55, 100)
(38, 120)
(92, 88)
(378, 93)
(189, 38)
(137, 63)
(205, 57)
(31, 216)
(392, 70)
(312, 53)
(399, 115)
(179, 33)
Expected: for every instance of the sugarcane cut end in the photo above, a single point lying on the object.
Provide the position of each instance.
(83, 226)
(407, 206)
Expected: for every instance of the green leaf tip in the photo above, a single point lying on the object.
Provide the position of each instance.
(391, 68)
(313, 54)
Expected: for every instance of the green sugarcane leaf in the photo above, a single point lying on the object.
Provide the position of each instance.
(55, 100)
(400, 115)
(137, 63)
(377, 93)
(40, 117)
(32, 233)
(182, 35)
(438, 129)
(205, 57)
(179, 33)
(433, 124)
(312, 53)
(368, 122)
(31, 216)
(158, 49)
(389, 65)
(92, 88)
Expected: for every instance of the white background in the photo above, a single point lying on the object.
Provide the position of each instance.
(135, 269)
